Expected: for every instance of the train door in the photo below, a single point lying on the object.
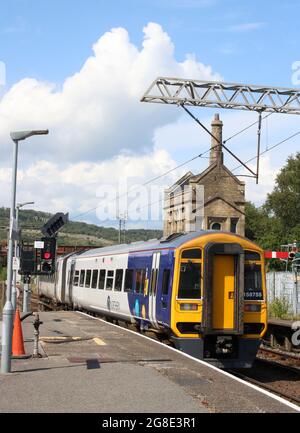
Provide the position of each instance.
(56, 280)
(164, 289)
(62, 288)
(153, 288)
(223, 292)
(70, 282)
(223, 297)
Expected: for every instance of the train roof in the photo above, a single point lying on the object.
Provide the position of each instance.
(173, 241)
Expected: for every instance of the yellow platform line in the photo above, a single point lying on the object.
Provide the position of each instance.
(99, 341)
(54, 338)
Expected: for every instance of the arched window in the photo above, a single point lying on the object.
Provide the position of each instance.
(216, 226)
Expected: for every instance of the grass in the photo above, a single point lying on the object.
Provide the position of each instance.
(279, 308)
(2, 274)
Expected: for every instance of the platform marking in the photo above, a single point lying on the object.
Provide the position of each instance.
(60, 338)
(206, 364)
(99, 341)
(54, 338)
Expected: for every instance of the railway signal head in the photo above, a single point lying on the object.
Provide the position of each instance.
(48, 255)
(54, 224)
(27, 260)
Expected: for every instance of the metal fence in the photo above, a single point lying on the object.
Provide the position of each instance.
(285, 285)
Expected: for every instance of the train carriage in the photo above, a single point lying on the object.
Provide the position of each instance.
(205, 291)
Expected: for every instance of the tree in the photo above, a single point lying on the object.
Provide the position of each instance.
(262, 228)
(277, 222)
(284, 201)
(254, 221)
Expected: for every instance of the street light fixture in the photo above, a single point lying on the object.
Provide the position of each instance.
(17, 255)
(22, 135)
(8, 311)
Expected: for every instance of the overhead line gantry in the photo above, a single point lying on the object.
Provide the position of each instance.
(213, 94)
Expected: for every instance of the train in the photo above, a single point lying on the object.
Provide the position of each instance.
(204, 292)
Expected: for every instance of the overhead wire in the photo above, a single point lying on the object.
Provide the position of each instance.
(144, 184)
(249, 160)
(201, 155)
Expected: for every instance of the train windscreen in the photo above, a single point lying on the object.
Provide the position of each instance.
(253, 282)
(189, 283)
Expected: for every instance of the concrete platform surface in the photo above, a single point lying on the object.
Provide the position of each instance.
(89, 365)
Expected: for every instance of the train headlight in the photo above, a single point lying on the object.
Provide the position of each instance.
(188, 307)
(253, 308)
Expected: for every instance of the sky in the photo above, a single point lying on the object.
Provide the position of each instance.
(80, 69)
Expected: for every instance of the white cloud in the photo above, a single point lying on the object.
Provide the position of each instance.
(186, 139)
(75, 188)
(100, 132)
(98, 113)
(246, 26)
(257, 193)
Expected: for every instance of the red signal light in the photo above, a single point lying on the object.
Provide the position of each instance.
(47, 255)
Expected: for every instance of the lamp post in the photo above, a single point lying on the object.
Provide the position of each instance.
(17, 255)
(8, 310)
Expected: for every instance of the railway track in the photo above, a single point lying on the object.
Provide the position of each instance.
(274, 376)
(37, 304)
(282, 357)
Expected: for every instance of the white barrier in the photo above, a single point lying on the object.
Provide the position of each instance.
(284, 285)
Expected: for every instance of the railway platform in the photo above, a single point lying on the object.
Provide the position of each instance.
(280, 332)
(89, 365)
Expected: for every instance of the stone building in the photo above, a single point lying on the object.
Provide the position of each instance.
(221, 206)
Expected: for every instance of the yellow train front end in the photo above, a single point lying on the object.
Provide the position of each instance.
(219, 309)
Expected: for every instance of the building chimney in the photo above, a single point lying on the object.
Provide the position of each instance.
(216, 154)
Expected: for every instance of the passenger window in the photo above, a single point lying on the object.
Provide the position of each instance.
(109, 280)
(76, 278)
(190, 279)
(140, 277)
(128, 280)
(88, 278)
(102, 279)
(165, 283)
(82, 275)
(94, 278)
(119, 280)
(153, 285)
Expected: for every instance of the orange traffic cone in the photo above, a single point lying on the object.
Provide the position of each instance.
(17, 340)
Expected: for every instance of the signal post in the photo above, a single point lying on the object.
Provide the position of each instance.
(26, 293)
(40, 258)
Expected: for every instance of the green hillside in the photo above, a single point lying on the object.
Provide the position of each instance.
(73, 233)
